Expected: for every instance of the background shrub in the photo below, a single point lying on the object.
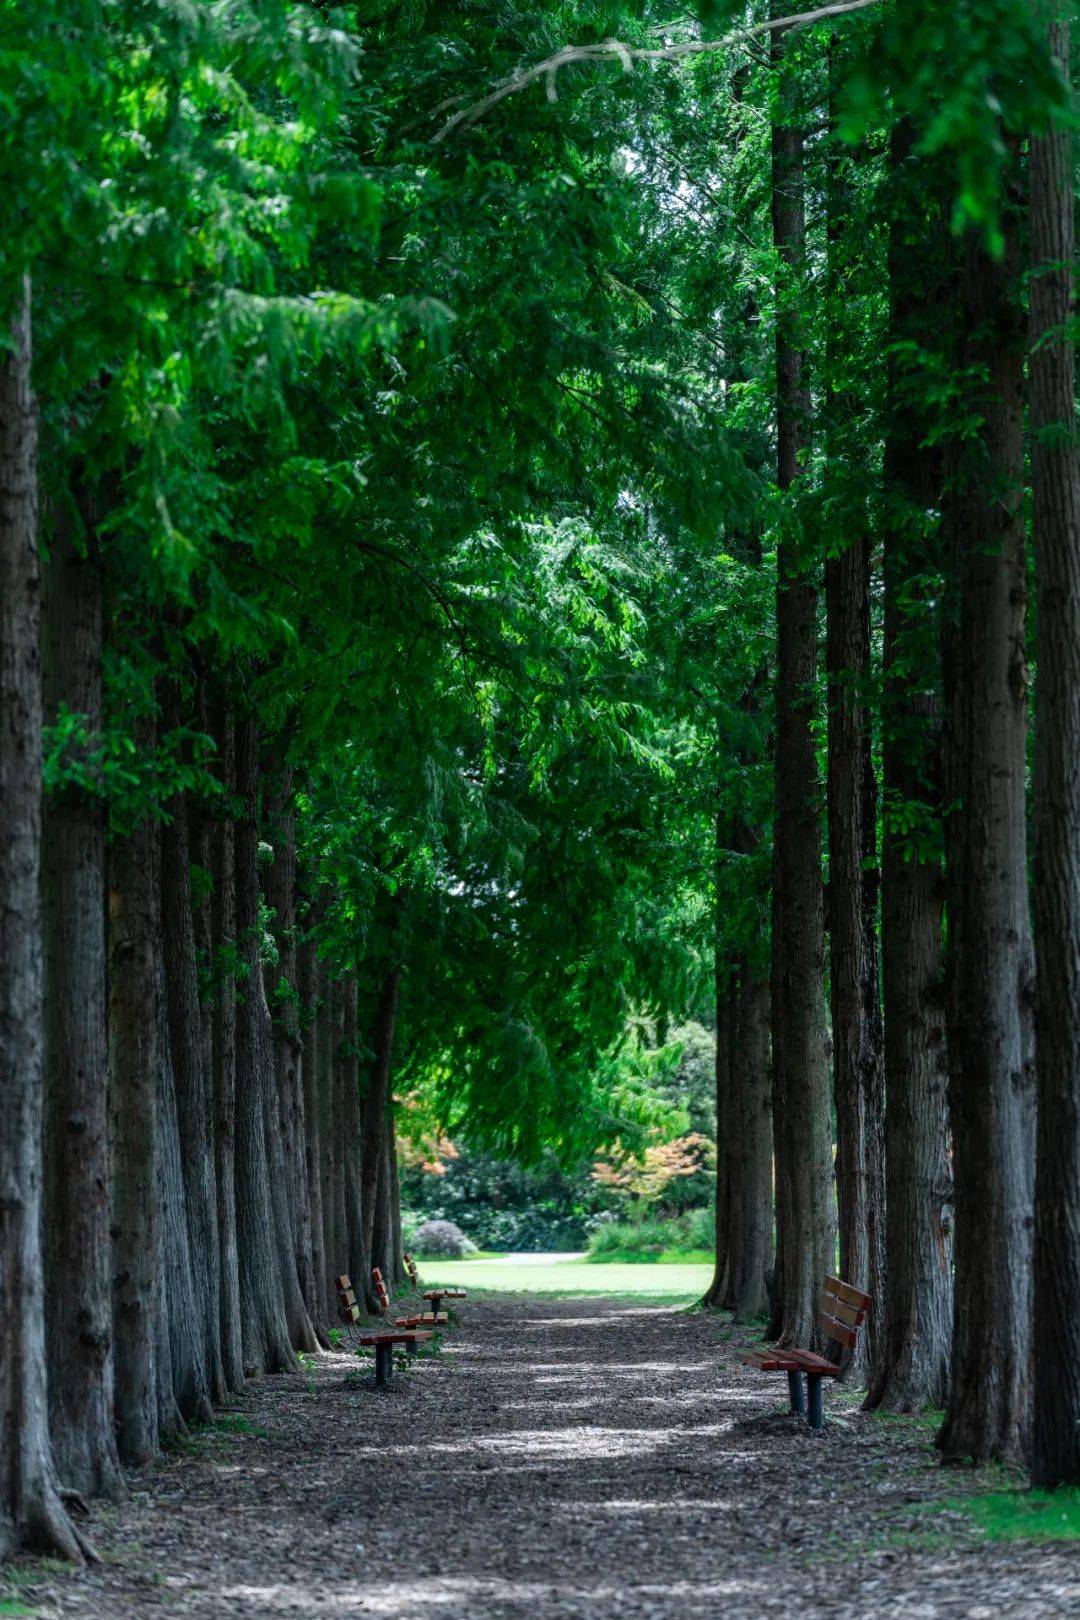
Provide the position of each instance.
(443, 1238)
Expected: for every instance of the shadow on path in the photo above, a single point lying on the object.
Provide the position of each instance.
(585, 1457)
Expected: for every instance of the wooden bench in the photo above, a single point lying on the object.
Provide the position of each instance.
(430, 1319)
(382, 1340)
(435, 1295)
(843, 1312)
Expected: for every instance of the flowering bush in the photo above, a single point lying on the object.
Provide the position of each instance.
(650, 1175)
(443, 1238)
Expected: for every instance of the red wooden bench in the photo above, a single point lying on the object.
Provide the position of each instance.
(382, 1340)
(435, 1295)
(424, 1319)
(843, 1312)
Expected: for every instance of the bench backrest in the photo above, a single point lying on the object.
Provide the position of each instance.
(843, 1312)
(381, 1292)
(410, 1267)
(350, 1310)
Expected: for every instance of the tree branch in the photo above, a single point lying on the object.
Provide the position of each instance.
(609, 49)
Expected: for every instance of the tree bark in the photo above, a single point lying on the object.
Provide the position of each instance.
(328, 1145)
(396, 1258)
(282, 989)
(224, 1006)
(733, 1133)
(374, 1189)
(912, 1369)
(805, 1212)
(338, 1082)
(352, 1143)
(1056, 526)
(183, 1376)
(382, 1232)
(989, 964)
(133, 1067)
(31, 1511)
(78, 1291)
(315, 1288)
(192, 1081)
(264, 1323)
(717, 1289)
(858, 1064)
(752, 1091)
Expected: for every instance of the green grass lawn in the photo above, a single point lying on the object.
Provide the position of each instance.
(1026, 1515)
(560, 1274)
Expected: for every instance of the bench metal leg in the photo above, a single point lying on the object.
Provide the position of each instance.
(816, 1417)
(798, 1396)
(384, 1363)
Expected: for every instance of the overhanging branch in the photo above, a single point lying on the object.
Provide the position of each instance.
(614, 49)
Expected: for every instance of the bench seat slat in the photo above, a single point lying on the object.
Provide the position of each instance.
(809, 1361)
(393, 1336)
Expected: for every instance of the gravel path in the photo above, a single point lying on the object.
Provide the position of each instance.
(585, 1457)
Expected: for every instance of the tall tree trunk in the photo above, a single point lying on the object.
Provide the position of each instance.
(338, 1082)
(314, 1284)
(396, 1257)
(192, 1080)
(858, 1063)
(30, 1507)
(376, 1106)
(264, 1322)
(301, 1332)
(328, 1145)
(733, 1134)
(382, 1231)
(1056, 481)
(282, 988)
(989, 964)
(78, 1282)
(352, 1145)
(912, 1368)
(805, 1211)
(304, 1231)
(183, 1376)
(752, 1091)
(717, 1289)
(201, 840)
(283, 1038)
(852, 904)
(133, 1068)
(223, 1097)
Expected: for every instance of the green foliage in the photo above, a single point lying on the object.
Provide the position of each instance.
(111, 766)
(453, 462)
(503, 1206)
(686, 1237)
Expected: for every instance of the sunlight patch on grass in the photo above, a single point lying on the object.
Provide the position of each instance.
(1025, 1515)
(666, 1257)
(569, 1275)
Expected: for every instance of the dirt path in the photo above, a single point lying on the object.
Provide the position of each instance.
(560, 1458)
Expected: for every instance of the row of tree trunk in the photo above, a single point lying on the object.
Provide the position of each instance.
(962, 1231)
(193, 1143)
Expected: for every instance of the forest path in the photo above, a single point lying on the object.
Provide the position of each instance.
(561, 1457)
